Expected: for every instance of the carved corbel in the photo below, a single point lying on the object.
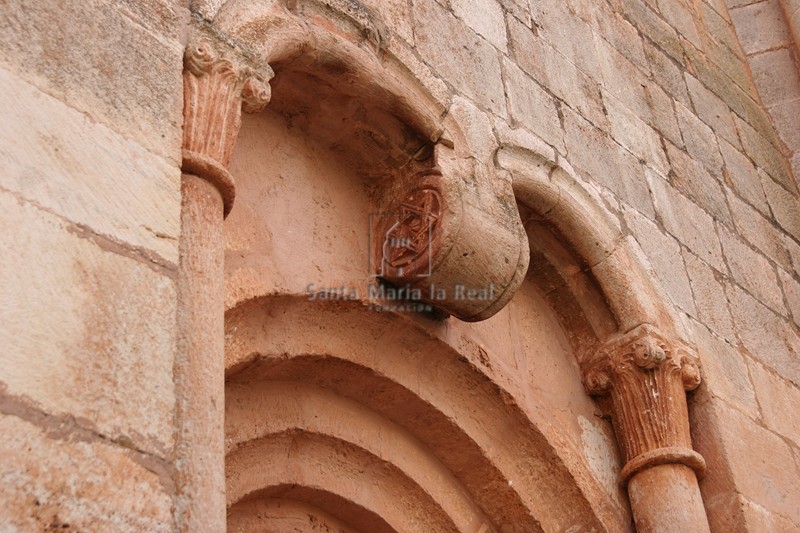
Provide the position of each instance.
(216, 90)
(646, 377)
(438, 232)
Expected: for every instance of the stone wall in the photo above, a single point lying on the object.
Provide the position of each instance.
(679, 113)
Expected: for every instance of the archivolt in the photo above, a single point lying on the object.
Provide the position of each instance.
(601, 269)
(412, 388)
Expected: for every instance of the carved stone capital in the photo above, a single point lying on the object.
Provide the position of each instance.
(646, 376)
(215, 90)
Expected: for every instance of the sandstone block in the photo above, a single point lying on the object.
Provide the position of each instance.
(765, 154)
(662, 113)
(742, 176)
(791, 289)
(530, 106)
(691, 225)
(486, 17)
(777, 76)
(632, 133)
(785, 206)
(450, 45)
(761, 233)
(784, 116)
(760, 26)
(712, 110)
(99, 60)
(701, 141)
(752, 271)
(725, 371)
(83, 171)
(396, 14)
(708, 289)
(653, 26)
(664, 254)
(765, 334)
(53, 481)
(682, 18)
(694, 181)
(766, 472)
(606, 162)
(554, 71)
(567, 33)
(91, 333)
(670, 74)
(779, 399)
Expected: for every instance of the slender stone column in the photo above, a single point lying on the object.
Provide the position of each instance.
(215, 91)
(646, 376)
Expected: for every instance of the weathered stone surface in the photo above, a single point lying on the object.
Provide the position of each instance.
(688, 223)
(765, 334)
(778, 399)
(83, 171)
(700, 140)
(653, 26)
(712, 110)
(53, 480)
(784, 205)
(91, 333)
(765, 154)
(664, 254)
(566, 33)
(669, 73)
(767, 471)
(682, 18)
(621, 34)
(760, 26)
(693, 180)
(610, 165)
(530, 106)
(707, 286)
(448, 45)
(395, 14)
(622, 79)
(632, 133)
(554, 71)
(752, 271)
(485, 17)
(760, 232)
(725, 371)
(740, 173)
(791, 289)
(101, 62)
(776, 75)
(476, 127)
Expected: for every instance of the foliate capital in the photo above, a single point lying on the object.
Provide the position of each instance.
(641, 350)
(216, 90)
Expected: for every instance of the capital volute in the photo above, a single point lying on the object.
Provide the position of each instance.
(641, 351)
(217, 88)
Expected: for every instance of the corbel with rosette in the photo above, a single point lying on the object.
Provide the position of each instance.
(217, 88)
(646, 376)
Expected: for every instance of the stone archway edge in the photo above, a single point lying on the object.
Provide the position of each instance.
(646, 367)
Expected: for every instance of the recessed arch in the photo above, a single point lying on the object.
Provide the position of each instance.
(392, 365)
